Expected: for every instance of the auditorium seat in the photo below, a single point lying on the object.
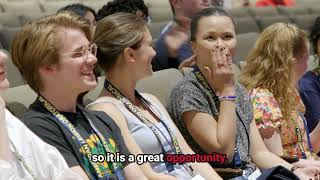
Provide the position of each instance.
(245, 42)
(245, 25)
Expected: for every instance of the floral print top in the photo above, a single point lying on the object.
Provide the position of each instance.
(267, 114)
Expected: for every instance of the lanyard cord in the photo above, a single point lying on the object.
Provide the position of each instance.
(23, 161)
(117, 94)
(83, 144)
(201, 79)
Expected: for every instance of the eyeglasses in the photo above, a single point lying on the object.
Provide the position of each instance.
(89, 49)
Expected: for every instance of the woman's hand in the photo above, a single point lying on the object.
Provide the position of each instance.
(307, 173)
(219, 73)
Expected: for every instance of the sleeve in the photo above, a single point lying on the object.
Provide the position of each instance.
(8, 171)
(311, 99)
(266, 111)
(50, 132)
(162, 60)
(188, 97)
(121, 144)
(116, 132)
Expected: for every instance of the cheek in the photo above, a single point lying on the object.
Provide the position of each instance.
(232, 47)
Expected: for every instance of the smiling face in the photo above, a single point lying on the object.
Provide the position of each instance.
(4, 83)
(75, 68)
(213, 31)
(144, 55)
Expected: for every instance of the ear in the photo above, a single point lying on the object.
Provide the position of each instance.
(47, 69)
(129, 54)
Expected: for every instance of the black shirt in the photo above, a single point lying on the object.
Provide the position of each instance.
(44, 124)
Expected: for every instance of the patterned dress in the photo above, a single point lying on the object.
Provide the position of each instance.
(267, 114)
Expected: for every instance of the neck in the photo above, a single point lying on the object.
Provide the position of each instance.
(62, 101)
(123, 81)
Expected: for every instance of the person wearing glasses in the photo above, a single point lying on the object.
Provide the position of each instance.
(56, 58)
(23, 155)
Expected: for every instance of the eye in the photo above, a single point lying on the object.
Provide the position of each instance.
(77, 54)
(228, 37)
(209, 38)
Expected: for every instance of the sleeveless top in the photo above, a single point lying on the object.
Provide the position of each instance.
(144, 136)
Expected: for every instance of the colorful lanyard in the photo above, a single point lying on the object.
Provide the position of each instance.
(22, 160)
(201, 79)
(300, 137)
(117, 167)
(117, 94)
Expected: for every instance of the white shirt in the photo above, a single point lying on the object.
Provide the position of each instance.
(45, 160)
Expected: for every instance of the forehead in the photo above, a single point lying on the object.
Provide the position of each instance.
(217, 24)
(71, 39)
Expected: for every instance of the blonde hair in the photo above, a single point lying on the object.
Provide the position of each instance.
(270, 63)
(116, 32)
(38, 44)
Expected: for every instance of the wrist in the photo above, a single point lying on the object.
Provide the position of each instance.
(294, 168)
(230, 91)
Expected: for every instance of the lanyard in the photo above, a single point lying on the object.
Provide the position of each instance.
(117, 94)
(23, 161)
(117, 167)
(307, 131)
(201, 79)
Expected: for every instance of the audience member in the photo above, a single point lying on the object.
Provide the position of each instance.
(212, 111)
(125, 53)
(263, 3)
(172, 46)
(56, 58)
(23, 155)
(273, 68)
(309, 84)
(130, 6)
(83, 11)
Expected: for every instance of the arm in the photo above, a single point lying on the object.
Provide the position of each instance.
(204, 169)
(121, 121)
(215, 140)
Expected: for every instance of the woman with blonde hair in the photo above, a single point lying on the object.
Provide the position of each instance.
(273, 68)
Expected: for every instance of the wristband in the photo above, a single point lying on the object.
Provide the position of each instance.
(227, 98)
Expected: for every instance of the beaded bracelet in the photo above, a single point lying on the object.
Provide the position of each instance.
(227, 98)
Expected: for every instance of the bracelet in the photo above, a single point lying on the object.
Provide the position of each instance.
(294, 168)
(227, 98)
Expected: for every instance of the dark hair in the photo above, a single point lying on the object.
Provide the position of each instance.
(211, 11)
(78, 9)
(128, 6)
(315, 34)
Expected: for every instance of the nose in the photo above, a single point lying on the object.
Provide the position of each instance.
(92, 59)
(153, 52)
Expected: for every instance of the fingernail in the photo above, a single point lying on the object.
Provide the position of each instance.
(217, 47)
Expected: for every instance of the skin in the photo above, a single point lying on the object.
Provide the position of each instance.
(216, 37)
(90, 18)
(74, 69)
(137, 65)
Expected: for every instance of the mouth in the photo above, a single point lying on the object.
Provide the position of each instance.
(89, 74)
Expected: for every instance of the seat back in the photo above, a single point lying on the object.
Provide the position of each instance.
(18, 99)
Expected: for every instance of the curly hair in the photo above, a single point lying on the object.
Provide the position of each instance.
(315, 34)
(270, 63)
(129, 6)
